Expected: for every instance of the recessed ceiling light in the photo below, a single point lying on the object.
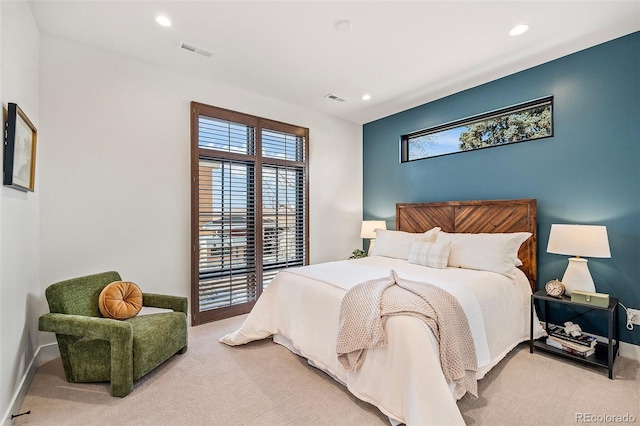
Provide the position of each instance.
(518, 29)
(366, 97)
(163, 20)
(344, 26)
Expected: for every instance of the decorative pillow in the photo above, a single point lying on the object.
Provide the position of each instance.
(120, 300)
(434, 255)
(485, 252)
(397, 243)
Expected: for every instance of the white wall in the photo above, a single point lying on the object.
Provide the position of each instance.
(114, 191)
(20, 292)
(112, 178)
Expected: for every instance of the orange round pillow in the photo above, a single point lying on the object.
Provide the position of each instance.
(120, 300)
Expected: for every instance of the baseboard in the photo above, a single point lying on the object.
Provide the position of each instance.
(43, 354)
(628, 350)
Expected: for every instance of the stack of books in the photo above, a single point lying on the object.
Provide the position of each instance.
(582, 345)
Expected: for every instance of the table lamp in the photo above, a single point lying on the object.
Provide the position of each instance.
(578, 240)
(368, 230)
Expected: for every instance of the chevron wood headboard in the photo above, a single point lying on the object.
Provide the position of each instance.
(488, 216)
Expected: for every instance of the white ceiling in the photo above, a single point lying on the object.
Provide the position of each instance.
(403, 53)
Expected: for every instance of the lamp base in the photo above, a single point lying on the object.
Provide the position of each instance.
(577, 276)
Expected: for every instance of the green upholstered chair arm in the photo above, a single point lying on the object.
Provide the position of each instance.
(118, 333)
(176, 303)
(78, 325)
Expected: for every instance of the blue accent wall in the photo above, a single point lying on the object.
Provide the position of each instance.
(587, 173)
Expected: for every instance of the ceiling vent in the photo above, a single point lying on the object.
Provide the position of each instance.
(334, 97)
(195, 49)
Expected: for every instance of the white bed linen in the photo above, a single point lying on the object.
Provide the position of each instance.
(404, 380)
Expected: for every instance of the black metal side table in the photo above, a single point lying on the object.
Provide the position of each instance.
(605, 353)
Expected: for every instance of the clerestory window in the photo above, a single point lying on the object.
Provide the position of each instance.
(518, 123)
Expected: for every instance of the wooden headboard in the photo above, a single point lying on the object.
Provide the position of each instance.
(477, 217)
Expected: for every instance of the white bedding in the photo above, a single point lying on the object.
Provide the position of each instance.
(404, 380)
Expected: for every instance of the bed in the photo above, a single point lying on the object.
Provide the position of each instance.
(301, 306)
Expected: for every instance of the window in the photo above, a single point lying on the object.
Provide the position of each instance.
(249, 207)
(523, 122)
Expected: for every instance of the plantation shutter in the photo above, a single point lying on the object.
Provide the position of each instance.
(249, 208)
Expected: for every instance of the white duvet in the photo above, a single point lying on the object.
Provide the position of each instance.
(300, 308)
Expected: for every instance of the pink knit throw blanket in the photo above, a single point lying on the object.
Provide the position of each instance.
(366, 306)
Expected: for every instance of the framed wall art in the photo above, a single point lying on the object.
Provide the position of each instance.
(19, 150)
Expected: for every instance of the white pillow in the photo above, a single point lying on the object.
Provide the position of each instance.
(433, 255)
(485, 252)
(397, 243)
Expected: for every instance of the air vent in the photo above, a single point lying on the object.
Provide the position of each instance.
(195, 49)
(335, 98)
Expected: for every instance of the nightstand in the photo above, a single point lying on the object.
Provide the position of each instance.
(605, 353)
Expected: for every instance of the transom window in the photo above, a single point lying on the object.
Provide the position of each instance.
(518, 123)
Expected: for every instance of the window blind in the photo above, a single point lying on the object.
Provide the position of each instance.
(283, 206)
(227, 268)
(225, 136)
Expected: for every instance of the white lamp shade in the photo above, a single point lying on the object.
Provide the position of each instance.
(369, 227)
(579, 240)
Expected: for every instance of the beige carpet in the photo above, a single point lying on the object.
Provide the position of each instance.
(264, 384)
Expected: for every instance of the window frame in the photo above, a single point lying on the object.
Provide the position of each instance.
(256, 157)
(535, 103)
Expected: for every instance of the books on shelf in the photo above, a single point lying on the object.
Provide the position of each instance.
(579, 348)
(557, 332)
(584, 352)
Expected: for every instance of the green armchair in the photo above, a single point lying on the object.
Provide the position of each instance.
(98, 349)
